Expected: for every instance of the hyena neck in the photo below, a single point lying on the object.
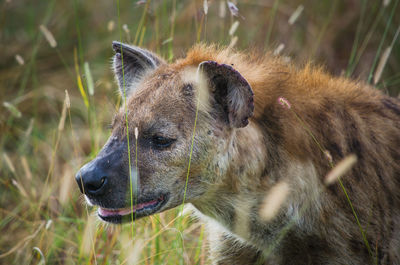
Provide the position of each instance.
(231, 201)
(234, 202)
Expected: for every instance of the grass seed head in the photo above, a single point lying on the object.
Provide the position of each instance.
(328, 156)
(279, 49)
(205, 7)
(296, 14)
(284, 102)
(13, 109)
(67, 100)
(233, 28)
(110, 25)
(48, 36)
(234, 10)
(19, 59)
(233, 42)
(125, 28)
(340, 169)
(273, 201)
(136, 133)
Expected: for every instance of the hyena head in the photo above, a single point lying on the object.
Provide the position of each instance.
(174, 117)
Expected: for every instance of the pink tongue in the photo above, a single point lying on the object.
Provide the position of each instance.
(125, 211)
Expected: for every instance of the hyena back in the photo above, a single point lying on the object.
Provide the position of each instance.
(250, 123)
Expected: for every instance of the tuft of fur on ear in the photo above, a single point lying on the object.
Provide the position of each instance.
(136, 63)
(231, 92)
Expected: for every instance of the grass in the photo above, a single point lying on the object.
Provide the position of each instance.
(46, 136)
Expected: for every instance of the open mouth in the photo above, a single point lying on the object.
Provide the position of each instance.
(137, 210)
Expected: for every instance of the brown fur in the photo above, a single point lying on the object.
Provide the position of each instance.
(345, 117)
(234, 168)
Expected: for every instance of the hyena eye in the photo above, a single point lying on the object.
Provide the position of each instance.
(161, 142)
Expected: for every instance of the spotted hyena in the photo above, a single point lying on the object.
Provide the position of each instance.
(246, 123)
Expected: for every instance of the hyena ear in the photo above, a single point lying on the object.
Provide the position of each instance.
(137, 63)
(231, 94)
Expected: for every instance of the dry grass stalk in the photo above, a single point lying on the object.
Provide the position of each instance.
(63, 116)
(27, 170)
(9, 163)
(13, 109)
(340, 169)
(273, 200)
(20, 188)
(382, 62)
(222, 9)
(66, 186)
(133, 250)
(30, 128)
(88, 235)
(22, 242)
(48, 35)
(384, 58)
(67, 100)
(167, 41)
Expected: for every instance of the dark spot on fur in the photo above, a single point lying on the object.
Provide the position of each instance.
(335, 150)
(165, 75)
(355, 147)
(187, 90)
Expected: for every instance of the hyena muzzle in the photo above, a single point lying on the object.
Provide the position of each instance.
(247, 124)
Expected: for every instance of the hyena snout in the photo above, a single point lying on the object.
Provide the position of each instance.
(103, 174)
(93, 179)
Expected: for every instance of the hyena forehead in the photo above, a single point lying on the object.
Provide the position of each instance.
(166, 85)
(198, 81)
(165, 102)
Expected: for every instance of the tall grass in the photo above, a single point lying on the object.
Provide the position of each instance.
(46, 134)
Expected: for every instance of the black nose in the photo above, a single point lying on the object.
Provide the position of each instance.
(91, 179)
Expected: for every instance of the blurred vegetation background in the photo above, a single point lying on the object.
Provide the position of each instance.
(57, 95)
